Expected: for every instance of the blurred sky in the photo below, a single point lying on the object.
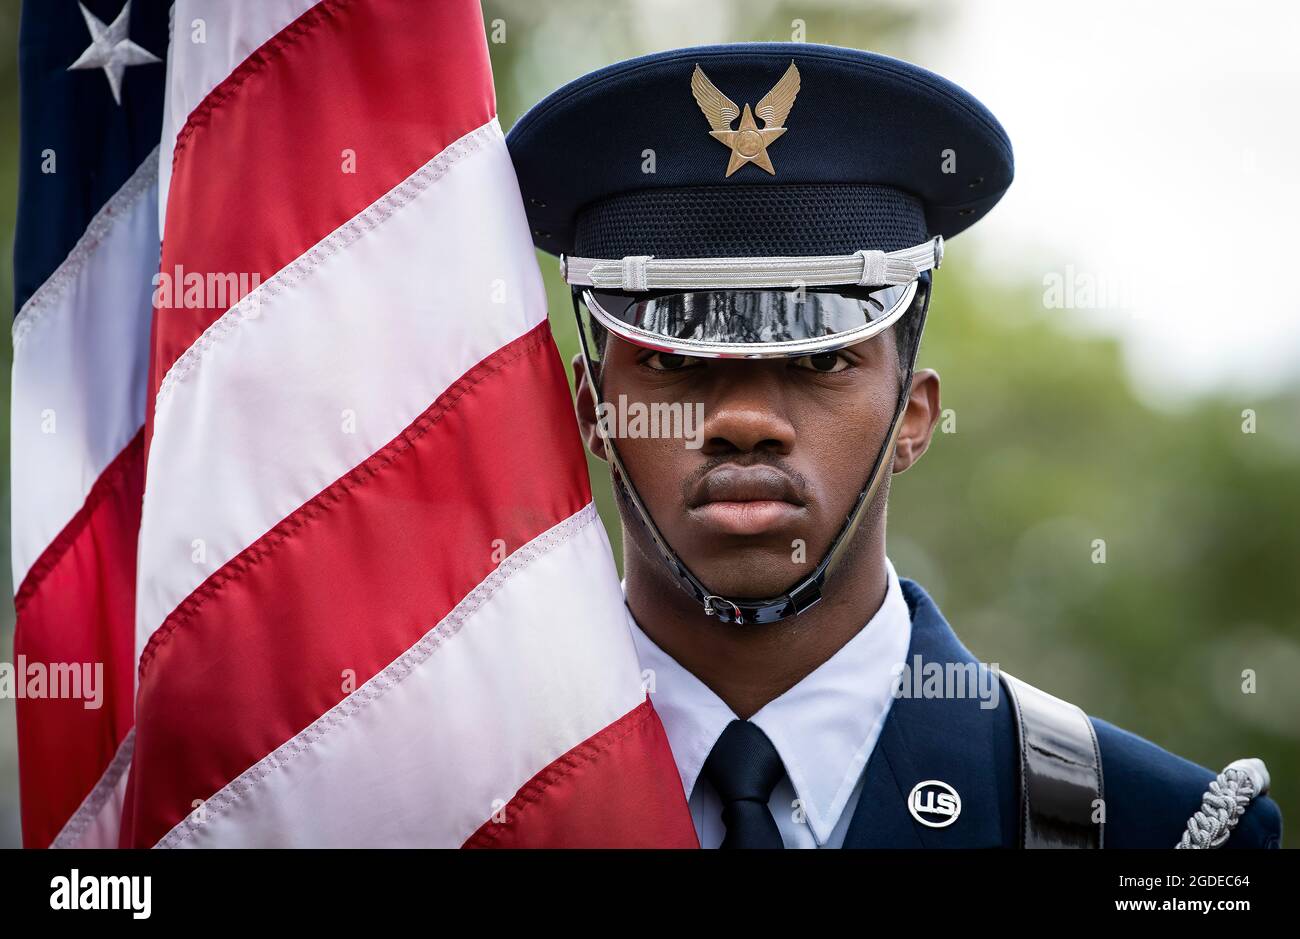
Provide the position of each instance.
(1154, 143)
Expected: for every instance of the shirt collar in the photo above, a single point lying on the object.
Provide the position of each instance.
(824, 728)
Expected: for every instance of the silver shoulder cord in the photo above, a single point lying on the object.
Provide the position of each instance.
(1224, 803)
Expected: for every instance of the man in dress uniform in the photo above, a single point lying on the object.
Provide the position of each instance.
(750, 233)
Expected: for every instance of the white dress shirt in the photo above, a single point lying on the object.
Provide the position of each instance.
(824, 728)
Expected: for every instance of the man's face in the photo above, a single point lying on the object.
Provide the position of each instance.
(785, 447)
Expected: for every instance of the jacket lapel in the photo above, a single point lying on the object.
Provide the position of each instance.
(944, 737)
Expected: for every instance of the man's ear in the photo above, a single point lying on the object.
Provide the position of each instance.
(585, 406)
(919, 419)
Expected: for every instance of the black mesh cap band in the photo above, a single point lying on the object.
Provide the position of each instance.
(796, 220)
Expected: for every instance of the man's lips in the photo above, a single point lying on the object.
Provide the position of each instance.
(745, 500)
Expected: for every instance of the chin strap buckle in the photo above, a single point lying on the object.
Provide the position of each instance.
(717, 606)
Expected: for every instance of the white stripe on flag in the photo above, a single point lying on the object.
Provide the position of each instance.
(416, 732)
(80, 367)
(378, 319)
(98, 820)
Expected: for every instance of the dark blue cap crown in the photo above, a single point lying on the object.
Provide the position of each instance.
(876, 153)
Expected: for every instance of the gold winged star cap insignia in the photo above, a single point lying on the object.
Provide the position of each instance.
(748, 143)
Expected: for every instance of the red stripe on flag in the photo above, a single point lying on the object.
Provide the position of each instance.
(259, 171)
(352, 579)
(619, 769)
(77, 606)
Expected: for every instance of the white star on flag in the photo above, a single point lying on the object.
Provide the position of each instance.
(111, 49)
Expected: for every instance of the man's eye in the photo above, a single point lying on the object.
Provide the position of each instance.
(669, 361)
(822, 362)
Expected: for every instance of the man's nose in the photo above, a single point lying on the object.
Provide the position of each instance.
(745, 410)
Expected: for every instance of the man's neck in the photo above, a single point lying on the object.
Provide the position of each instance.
(748, 666)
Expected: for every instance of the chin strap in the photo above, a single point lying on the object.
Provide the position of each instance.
(808, 591)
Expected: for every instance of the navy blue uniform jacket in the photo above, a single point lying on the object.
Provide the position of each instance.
(1149, 793)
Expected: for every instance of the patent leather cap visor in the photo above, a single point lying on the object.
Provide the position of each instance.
(750, 323)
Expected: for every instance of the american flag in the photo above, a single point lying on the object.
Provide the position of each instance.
(306, 481)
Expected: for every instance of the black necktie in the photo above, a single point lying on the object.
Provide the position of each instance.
(744, 768)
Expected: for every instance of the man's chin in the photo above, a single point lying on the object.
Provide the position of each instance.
(739, 568)
(742, 578)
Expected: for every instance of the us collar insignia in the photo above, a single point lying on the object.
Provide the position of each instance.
(748, 144)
